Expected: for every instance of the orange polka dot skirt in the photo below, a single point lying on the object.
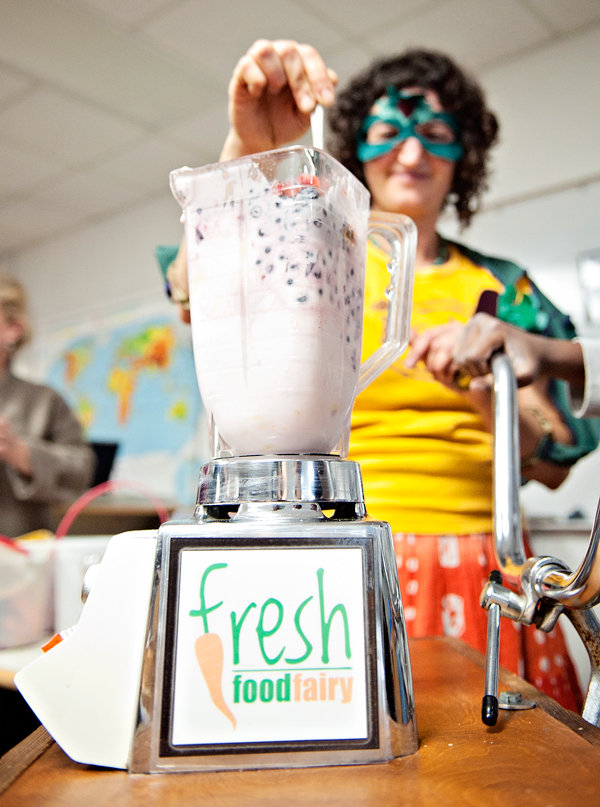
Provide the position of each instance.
(441, 578)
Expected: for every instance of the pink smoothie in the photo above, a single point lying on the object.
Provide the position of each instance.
(276, 288)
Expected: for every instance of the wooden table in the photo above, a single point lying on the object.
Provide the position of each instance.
(546, 757)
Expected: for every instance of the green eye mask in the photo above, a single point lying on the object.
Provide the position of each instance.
(409, 115)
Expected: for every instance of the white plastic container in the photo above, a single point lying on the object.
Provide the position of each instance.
(26, 577)
(73, 557)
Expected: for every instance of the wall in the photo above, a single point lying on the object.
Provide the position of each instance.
(101, 268)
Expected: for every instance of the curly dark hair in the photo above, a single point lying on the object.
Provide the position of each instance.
(458, 93)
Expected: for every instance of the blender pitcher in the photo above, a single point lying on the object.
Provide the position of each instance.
(276, 248)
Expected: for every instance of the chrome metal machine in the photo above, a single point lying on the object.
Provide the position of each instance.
(547, 585)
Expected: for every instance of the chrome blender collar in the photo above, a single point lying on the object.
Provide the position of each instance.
(279, 478)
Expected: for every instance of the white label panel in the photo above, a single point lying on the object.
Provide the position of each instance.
(270, 646)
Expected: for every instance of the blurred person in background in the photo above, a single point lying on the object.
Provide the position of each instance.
(43, 456)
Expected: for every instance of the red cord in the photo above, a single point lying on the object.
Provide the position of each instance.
(93, 493)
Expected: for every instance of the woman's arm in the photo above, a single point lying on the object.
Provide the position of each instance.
(531, 355)
(538, 421)
(274, 88)
(177, 279)
(14, 451)
(59, 461)
(538, 418)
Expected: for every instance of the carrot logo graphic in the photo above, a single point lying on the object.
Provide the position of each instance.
(209, 650)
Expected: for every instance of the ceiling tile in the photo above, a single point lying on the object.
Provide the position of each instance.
(115, 69)
(205, 132)
(21, 171)
(216, 35)
(147, 165)
(475, 32)
(56, 125)
(128, 11)
(359, 18)
(208, 133)
(567, 16)
(86, 194)
(24, 222)
(349, 61)
(11, 84)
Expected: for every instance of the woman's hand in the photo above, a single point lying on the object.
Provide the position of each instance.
(272, 92)
(177, 277)
(531, 355)
(435, 347)
(12, 450)
(443, 350)
(483, 336)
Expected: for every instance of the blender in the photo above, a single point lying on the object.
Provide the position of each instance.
(266, 631)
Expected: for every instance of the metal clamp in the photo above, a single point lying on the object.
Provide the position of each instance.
(514, 702)
(489, 704)
(547, 585)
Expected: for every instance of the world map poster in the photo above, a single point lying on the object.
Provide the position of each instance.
(130, 379)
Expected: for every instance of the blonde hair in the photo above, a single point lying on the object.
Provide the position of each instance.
(13, 304)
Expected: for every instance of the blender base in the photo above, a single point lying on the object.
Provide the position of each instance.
(260, 634)
(288, 713)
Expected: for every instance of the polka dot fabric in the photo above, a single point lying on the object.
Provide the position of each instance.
(441, 577)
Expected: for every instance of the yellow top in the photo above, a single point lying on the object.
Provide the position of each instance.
(425, 455)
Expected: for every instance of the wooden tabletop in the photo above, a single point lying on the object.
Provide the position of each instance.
(545, 757)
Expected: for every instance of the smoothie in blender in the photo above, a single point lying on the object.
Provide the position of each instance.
(276, 272)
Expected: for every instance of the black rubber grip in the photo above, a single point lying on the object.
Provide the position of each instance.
(489, 710)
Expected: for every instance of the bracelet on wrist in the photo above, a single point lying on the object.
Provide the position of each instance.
(542, 449)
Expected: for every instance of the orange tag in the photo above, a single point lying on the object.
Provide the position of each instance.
(56, 639)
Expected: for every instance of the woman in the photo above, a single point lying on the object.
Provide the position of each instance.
(43, 456)
(424, 447)
(415, 129)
